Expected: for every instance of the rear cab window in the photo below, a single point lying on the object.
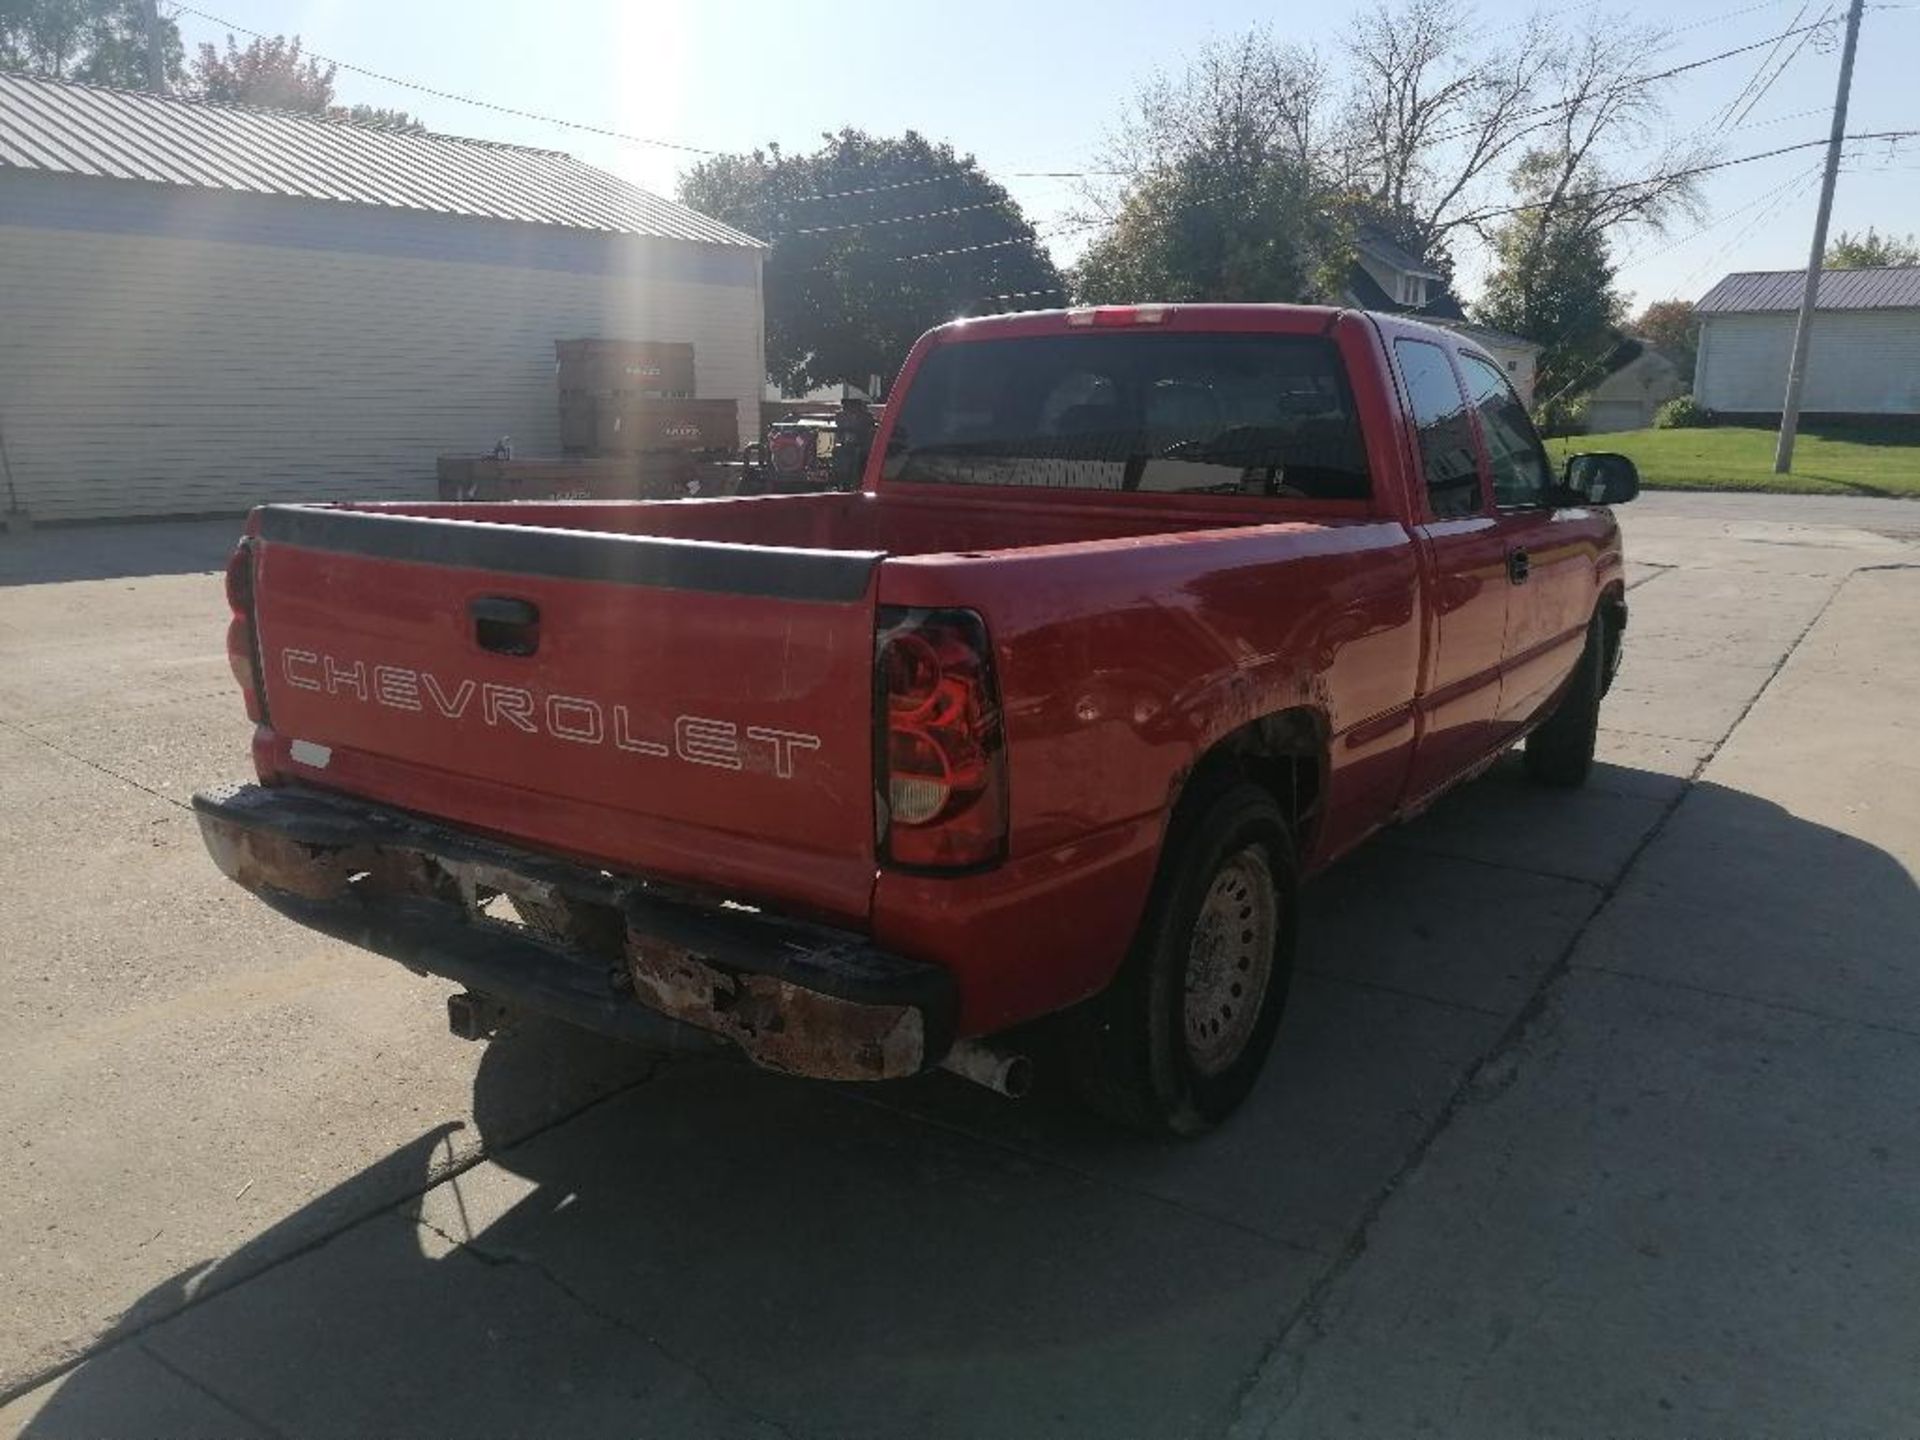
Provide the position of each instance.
(1158, 413)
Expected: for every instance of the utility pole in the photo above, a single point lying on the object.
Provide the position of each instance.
(1803, 331)
(156, 57)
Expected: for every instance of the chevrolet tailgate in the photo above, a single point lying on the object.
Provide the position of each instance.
(685, 709)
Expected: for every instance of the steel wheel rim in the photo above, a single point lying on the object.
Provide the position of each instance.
(1230, 960)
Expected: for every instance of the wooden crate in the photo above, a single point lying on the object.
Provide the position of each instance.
(624, 427)
(654, 368)
(579, 416)
(669, 476)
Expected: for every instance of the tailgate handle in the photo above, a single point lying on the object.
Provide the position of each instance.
(505, 625)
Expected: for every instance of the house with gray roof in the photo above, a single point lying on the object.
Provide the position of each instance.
(1386, 276)
(208, 306)
(1863, 358)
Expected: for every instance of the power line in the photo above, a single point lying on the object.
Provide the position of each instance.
(1792, 55)
(873, 189)
(1725, 113)
(1492, 214)
(1776, 119)
(1635, 82)
(932, 180)
(458, 98)
(607, 132)
(1015, 295)
(1731, 15)
(1682, 174)
(970, 249)
(1810, 289)
(1797, 182)
(905, 219)
(1775, 201)
(1794, 179)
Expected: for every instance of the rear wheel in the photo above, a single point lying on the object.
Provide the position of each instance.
(1179, 1038)
(1560, 751)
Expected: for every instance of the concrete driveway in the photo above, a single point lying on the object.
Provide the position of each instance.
(1593, 1113)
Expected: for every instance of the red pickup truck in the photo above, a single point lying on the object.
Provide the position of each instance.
(1143, 614)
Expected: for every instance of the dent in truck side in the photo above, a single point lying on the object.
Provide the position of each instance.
(1113, 695)
(1123, 666)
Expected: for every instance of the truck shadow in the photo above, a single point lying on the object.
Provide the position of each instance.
(714, 1251)
(117, 552)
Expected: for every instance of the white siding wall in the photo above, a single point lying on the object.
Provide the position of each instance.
(1517, 361)
(146, 374)
(1858, 362)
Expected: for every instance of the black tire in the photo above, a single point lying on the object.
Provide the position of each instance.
(1140, 1053)
(1560, 751)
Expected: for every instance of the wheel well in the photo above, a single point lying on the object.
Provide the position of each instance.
(1285, 753)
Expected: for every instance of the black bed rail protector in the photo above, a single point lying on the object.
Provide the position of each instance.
(771, 571)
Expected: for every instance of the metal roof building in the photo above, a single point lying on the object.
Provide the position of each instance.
(1771, 292)
(211, 306)
(1863, 358)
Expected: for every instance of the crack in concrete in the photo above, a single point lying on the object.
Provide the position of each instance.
(27, 734)
(492, 1258)
(1416, 846)
(187, 1377)
(1785, 1006)
(105, 1344)
(1488, 1077)
(1383, 989)
(1084, 1176)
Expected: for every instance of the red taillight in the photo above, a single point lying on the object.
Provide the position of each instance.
(243, 653)
(943, 774)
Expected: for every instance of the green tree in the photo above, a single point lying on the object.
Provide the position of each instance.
(270, 72)
(380, 116)
(1672, 328)
(1871, 251)
(1201, 230)
(1554, 286)
(1552, 280)
(100, 42)
(1218, 196)
(874, 239)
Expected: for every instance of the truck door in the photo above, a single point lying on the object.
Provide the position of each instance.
(1467, 609)
(1549, 551)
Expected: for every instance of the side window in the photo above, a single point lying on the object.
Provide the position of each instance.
(1521, 474)
(1446, 439)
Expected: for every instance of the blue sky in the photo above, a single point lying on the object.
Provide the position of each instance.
(1034, 87)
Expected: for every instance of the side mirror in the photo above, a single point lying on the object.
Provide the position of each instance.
(1602, 479)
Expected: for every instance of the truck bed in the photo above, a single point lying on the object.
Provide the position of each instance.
(892, 523)
(689, 691)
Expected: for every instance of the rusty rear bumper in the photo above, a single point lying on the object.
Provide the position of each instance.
(620, 955)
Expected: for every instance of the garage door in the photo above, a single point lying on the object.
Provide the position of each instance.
(1607, 415)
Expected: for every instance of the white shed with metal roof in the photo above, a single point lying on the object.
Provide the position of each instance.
(206, 307)
(1863, 358)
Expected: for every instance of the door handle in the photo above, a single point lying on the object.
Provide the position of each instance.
(505, 625)
(1519, 565)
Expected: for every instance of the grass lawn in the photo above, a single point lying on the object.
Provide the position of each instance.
(1728, 457)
